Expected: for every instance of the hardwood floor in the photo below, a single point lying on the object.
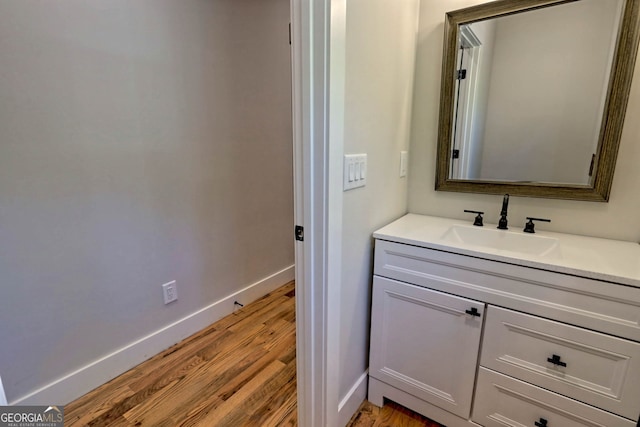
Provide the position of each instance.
(240, 371)
(390, 415)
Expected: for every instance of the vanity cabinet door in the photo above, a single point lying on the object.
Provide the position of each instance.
(425, 343)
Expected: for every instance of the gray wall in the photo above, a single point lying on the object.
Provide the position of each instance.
(142, 142)
(618, 219)
(527, 136)
(380, 53)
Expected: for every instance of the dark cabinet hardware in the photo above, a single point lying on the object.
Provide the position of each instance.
(478, 220)
(529, 227)
(541, 423)
(555, 359)
(473, 312)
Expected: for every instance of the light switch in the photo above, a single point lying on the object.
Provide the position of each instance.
(404, 163)
(355, 171)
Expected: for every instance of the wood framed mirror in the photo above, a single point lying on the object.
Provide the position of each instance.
(534, 95)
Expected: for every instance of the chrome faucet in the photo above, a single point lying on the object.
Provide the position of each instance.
(502, 224)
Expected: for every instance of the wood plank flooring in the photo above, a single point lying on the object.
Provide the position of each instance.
(390, 415)
(240, 371)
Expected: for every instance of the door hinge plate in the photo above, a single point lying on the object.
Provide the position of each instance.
(462, 74)
(455, 154)
(299, 232)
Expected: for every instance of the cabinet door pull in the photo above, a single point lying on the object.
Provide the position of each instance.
(555, 359)
(473, 312)
(541, 423)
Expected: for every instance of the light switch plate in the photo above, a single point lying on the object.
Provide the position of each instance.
(355, 171)
(404, 163)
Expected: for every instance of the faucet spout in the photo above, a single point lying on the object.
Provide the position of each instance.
(502, 224)
(505, 205)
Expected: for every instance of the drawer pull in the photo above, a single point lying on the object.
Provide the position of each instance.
(473, 312)
(555, 359)
(541, 423)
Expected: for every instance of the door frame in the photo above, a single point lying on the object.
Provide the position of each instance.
(318, 32)
(466, 103)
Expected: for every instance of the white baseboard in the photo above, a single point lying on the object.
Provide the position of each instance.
(90, 376)
(353, 399)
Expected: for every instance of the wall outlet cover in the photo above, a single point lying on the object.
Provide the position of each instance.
(170, 292)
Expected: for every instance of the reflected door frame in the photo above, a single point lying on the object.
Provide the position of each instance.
(468, 60)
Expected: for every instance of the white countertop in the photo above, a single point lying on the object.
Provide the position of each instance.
(601, 259)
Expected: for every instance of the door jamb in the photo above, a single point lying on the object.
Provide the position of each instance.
(317, 29)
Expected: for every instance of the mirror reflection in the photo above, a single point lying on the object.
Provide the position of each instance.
(530, 92)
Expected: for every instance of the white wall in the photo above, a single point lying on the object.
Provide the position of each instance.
(527, 136)
(618, 219)
(380, 49)
(142, 142)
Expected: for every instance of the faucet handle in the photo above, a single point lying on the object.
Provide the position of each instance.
(529, 227)
(478, 220)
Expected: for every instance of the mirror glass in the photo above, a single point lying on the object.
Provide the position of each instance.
(529, 88)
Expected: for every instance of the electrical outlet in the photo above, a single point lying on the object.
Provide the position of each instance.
(170, 292)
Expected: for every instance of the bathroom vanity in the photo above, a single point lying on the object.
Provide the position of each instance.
(477, 326)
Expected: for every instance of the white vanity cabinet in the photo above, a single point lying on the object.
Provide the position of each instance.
(470, 340)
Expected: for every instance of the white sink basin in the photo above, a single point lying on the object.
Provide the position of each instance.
(503, 241)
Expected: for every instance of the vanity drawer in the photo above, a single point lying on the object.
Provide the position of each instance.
(602, 306)
(594, 368)
(503, 401)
